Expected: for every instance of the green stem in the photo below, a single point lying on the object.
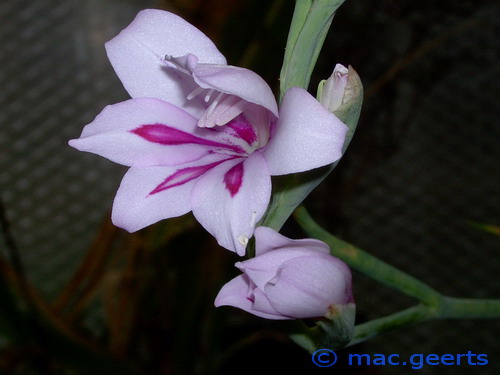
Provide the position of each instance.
(467, 308)
(310, 23)
(411, 315)
(433, 306)
(449, 308)
(368, 264)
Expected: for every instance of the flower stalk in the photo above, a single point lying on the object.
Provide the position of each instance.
(433, 304)
(310, 24)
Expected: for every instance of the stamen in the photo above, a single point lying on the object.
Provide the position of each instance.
(231, 110)
(213, 105)
(207, 120)
(209, 94)
(223, 109)
(172, 61)
(193, 94)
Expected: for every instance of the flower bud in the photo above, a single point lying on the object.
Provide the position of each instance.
(288, 279)
(342, 94)
(331, 92)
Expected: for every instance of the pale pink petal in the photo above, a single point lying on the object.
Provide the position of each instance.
(234, 293)
(307, 136)
(306, 286)
(236, 81)
(137, 55)
(262, 122)
(264, 265)
(262, 307)
(230, 84)
(147, 195)
(267, 239)
(230, 199)
(135, 208)
(115, 134)
(149, 132)
(263, 268)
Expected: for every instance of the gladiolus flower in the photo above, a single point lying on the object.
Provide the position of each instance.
(288, 279)
(200, 135)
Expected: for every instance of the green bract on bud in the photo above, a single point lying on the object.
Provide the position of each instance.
(334, 331)
(338, 326)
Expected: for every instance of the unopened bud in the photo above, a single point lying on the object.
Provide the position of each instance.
(331, 92)
(342, 94)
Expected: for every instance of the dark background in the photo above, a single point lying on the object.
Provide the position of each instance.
(421, 171)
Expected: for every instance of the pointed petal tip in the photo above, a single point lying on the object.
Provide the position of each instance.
(138, 52)
(73, 143)
(79, 144)
(119, 222)
(233, 294)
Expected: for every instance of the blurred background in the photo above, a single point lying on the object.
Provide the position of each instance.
(79, 296)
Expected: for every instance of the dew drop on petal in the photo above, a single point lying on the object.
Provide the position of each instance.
(243, 240)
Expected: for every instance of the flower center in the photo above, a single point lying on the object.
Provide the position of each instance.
(222, 109)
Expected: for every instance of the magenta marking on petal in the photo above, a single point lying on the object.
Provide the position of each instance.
(166, 135)
(182, 176)
(243, 129)
(233, 179)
